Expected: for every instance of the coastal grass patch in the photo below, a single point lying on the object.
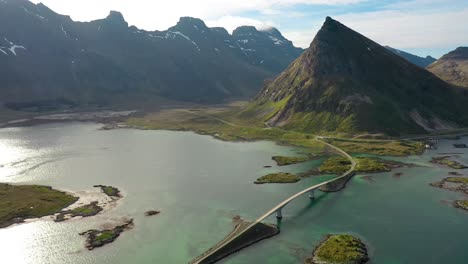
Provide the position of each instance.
(446, 161)
(226, 126)
(457, 180)
(21, 202)
(462, 204)
(235, 123)
(379, 147)
(280, 177)
(110, 191)
(340, 249)
(284, 161)
(340, 165)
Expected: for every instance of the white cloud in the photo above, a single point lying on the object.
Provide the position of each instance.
(163, 14)
(400, 29)
(412, 29)
(232, 22)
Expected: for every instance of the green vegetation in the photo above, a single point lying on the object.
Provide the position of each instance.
(224, 124)
(278, 178)
(109, 191)
(461, 204)
(105, 236)
(335, 165)
(340, 249)
(379, 147)
(84, 211)
(370, 165)
(230, 123)
(283, 161)
(457, 184)
(18, 203)
(445, 160)
(457, 180)
(339, 165)
(99, 238)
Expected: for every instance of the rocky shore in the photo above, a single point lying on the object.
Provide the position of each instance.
(98, 238)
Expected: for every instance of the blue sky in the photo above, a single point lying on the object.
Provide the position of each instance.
(422, 27)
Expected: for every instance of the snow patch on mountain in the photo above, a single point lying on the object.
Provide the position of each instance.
(12, 47)
(187, 38)
(276, 40)
(64, 31)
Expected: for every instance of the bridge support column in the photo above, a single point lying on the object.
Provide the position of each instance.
(279, 213)
(312, 194)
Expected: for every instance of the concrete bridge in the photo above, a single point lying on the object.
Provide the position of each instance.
(240, 230)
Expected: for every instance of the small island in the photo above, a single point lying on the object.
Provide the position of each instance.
(460, 146)
(152, 212)
(340, 249)
(462, 204)
(21, 202)
(83, 211)
(99, 238)
(284, 161)
(280, 177)
(447, 162)
(110, 191)
(456, 184)
(339, 165)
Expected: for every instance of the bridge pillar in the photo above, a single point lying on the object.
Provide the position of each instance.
(279, 213)
(312, 194)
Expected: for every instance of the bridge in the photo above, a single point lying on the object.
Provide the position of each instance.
(240, 230)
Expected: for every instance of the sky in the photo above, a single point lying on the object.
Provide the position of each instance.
(422, 27)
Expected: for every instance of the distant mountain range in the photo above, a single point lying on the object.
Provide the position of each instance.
(47, 58)
(346, 82)
(453, 67)
(420, 61)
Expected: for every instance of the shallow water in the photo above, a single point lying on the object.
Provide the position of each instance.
(200, 183)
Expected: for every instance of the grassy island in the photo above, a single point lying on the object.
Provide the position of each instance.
(379, 147)
(283, 161)
(463, 204)
(340, 249)
(446, 161)
(18, 203)
(99, 238)
(110, 191)
(456, 184)
(339, 165)
(278, 178)
(84, 211)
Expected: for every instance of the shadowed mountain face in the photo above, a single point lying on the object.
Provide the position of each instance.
(420, 61)
(346, 82)
(452, 67)
(47, 56)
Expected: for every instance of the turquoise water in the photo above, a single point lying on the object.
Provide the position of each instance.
(200, 183)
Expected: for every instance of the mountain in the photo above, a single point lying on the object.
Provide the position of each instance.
(346, 82)
(452, 67)
(47, 58)
(420, 61)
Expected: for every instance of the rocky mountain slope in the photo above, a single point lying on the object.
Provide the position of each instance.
(346, 82)
(46, 57)
(420, 61)
(452, 67)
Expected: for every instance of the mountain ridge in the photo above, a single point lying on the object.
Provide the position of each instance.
(346, 82)
(417, 60)
(452, 67)
(97, 61)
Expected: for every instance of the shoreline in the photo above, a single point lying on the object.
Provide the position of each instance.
(83, 198)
